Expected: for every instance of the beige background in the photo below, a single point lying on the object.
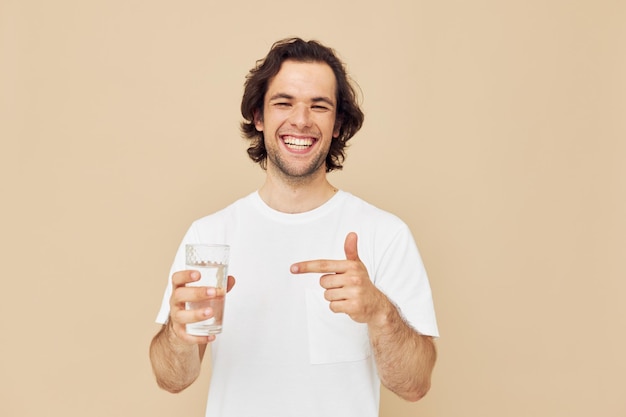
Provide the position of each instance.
(496, 129)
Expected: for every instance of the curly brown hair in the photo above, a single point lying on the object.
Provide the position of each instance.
(349, 116)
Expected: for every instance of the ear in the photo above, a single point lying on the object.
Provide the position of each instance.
(337, 129)
(258, 120)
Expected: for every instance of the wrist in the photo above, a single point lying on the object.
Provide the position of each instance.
(172, 336)
(385, 316)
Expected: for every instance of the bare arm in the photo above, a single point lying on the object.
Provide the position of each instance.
(405, 359)
(176, 364)
(176, 357)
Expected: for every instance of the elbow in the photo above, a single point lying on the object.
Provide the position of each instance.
(170, 387)
(417, 393)
(169, 380)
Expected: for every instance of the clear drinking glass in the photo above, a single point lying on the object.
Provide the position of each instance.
(211, 260)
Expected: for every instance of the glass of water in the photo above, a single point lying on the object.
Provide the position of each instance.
(211, 260)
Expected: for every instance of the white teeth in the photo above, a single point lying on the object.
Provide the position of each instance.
(298, 142)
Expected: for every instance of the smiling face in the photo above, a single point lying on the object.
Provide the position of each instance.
(298, 121)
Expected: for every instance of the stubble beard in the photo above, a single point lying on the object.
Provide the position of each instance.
(294, 174)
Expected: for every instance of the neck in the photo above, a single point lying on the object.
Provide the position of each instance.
(296, 196)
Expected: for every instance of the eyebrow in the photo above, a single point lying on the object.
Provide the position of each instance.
(286, 96)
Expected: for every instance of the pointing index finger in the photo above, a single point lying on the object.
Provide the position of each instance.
(319, 265)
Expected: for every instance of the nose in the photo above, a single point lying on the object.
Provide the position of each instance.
(300, 116)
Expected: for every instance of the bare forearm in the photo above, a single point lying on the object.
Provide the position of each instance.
(175, 364)
(404, 358)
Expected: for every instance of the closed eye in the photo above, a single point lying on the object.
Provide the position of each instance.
(322, 104)
(321, 108)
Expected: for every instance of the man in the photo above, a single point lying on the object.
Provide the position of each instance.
(331, 297)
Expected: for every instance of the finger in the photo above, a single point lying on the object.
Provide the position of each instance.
(182, 316)
(181, 278)
(334, 294)
(350, 247)
(319, 265)
(193, 294)
(339, 306)
(180, 331)
(198, 340)
(329, 281)
(231, 283)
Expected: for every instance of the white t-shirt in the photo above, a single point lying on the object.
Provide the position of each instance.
(283, 352)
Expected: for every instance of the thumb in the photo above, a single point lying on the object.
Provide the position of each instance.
(231, 283)
(350, 247)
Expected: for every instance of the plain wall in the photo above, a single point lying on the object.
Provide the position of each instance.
(495, 129)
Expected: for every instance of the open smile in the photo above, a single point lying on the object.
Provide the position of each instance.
(298, 143)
